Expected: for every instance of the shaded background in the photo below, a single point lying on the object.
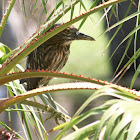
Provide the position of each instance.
(126, 28)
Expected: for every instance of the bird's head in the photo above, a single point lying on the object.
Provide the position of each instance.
(71, 33)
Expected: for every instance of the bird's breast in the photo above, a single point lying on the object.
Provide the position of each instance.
(56, 57)
(54, 60)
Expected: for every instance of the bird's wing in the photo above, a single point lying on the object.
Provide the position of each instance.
(35, 61)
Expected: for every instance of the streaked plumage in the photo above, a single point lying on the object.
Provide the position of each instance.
(52, 55)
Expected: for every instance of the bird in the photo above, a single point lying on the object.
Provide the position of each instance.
(52, 55)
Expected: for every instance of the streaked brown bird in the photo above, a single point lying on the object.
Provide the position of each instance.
(52, 54)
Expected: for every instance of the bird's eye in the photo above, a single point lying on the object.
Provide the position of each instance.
(67, 31)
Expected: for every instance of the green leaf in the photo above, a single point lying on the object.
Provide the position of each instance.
(5, 52)
(120, 116)
(5, 17)
(123, 20)
(2, 50)
(44, 5)
(84, 20)
(51, 14)
(24, 7)
(78, 119)
(135, 76)
(83, 132)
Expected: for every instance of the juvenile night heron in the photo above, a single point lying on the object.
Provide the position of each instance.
(52, 54)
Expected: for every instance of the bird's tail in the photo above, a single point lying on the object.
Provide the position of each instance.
(23, 81)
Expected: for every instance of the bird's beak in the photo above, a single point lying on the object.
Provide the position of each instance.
(81, 36)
